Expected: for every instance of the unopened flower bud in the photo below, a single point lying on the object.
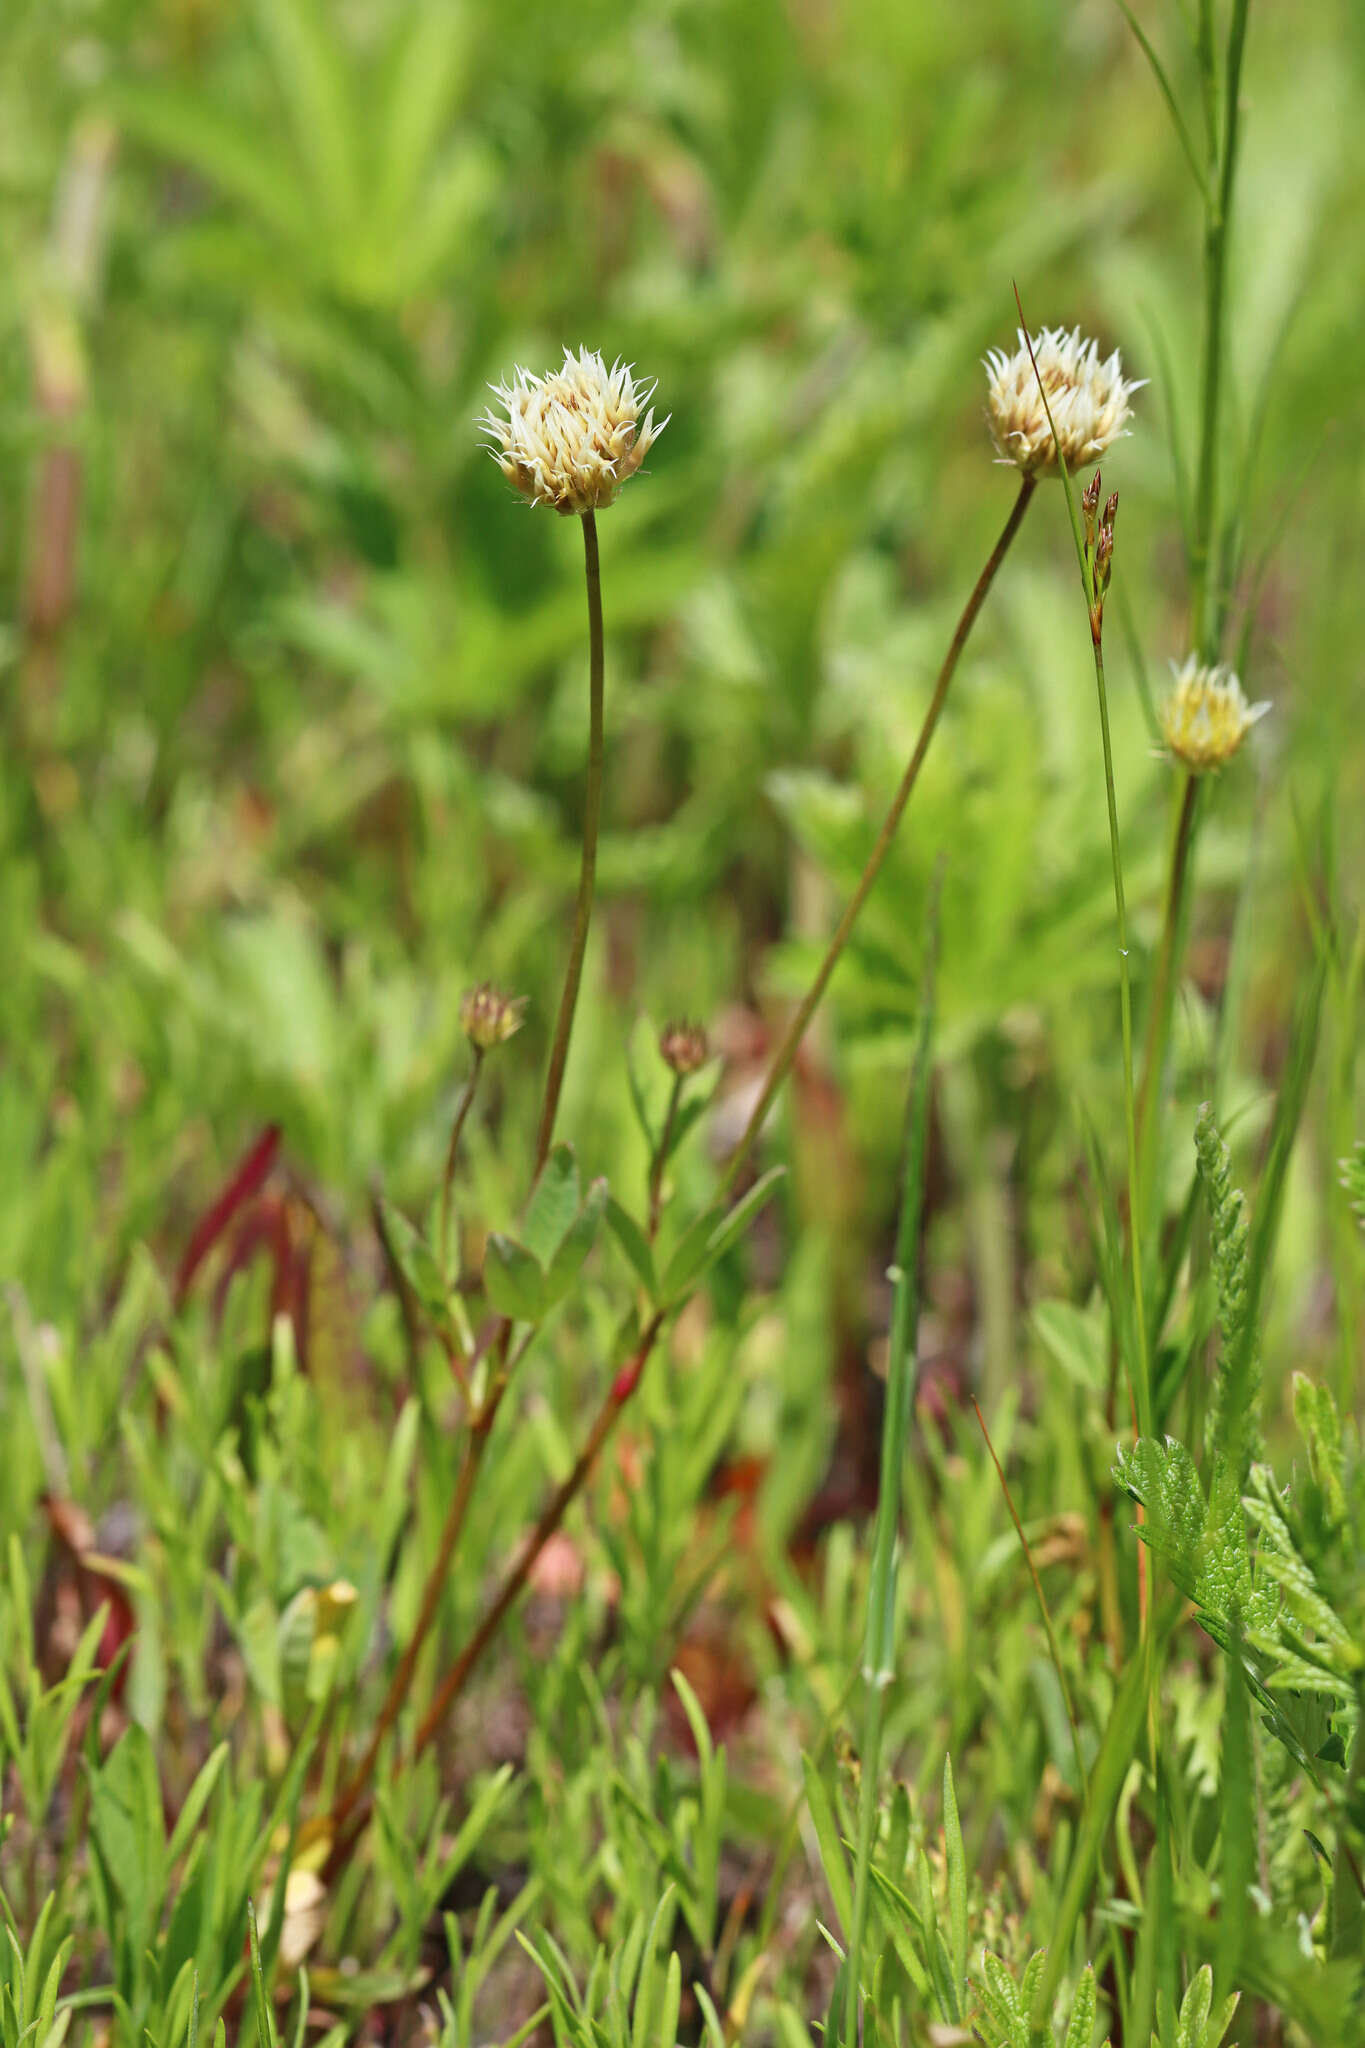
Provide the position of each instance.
(1090, 498)
(1111, 511)
(683, 1047)
(1104, 559)
(488, 1017)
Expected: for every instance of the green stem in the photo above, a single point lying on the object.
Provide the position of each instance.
(1142, 1385)
(471, 1459)
(1164, 985)
(879, 1653)
(592, 819)
(796, 1030)
(1348, 1890)
(1218, 213)
(448, 1178)
(1054, 1647)
(456, 1678)
(656, 1174)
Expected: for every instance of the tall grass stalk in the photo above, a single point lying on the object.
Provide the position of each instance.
(810, 1002)
(1161, 1002)
(1206, 603)
(592, 821)
(457, 1125)
(1140, 1370)
(879, 1649)
(1054, 1647)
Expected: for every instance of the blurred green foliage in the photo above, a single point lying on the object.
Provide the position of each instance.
(292, 693)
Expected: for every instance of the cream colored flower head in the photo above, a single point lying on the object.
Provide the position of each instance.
(1206, 717)
(1088, 400)
(572, 437)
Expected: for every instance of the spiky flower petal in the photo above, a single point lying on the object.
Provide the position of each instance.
(571, 438)
(1088, 399)
(1206, 717)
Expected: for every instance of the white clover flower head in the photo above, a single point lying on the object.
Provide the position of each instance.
(571, 438)
(1206, 717)
(1088, 400)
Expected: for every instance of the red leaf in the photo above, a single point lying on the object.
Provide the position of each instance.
(247, 1181)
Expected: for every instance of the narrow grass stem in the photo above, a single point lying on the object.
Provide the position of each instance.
(1142, 1383)
(514, 1580)
(462, 1109)
(471, 1459)
(592, 820)
(810, 1002)
(399, 1685)
(1094, 601)
(657, 1170)
(1204, 610)
(1043, 1608)
(879, 1651)
(1162, 1001)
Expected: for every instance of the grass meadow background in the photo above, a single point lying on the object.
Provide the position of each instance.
(292, 712)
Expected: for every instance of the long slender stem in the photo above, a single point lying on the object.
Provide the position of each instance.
(796, 1029)
(1164, 985)
(658, 1169)
(623, 1386)
(879, 1661)
(1094, 600)
(1043, 1608)
(471, 1459)
(1217, 216)
(353, 1790)
(592, 819)
(1142, 1381)
(462, 1110)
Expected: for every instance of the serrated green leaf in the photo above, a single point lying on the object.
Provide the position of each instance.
(957, 1881)
(1195, 2007)
(1081, 2025)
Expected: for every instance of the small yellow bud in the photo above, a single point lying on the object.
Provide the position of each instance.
(1206, 717)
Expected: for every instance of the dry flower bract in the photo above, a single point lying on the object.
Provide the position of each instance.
(1088, 399)
(572, 437)
(1206, 717)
